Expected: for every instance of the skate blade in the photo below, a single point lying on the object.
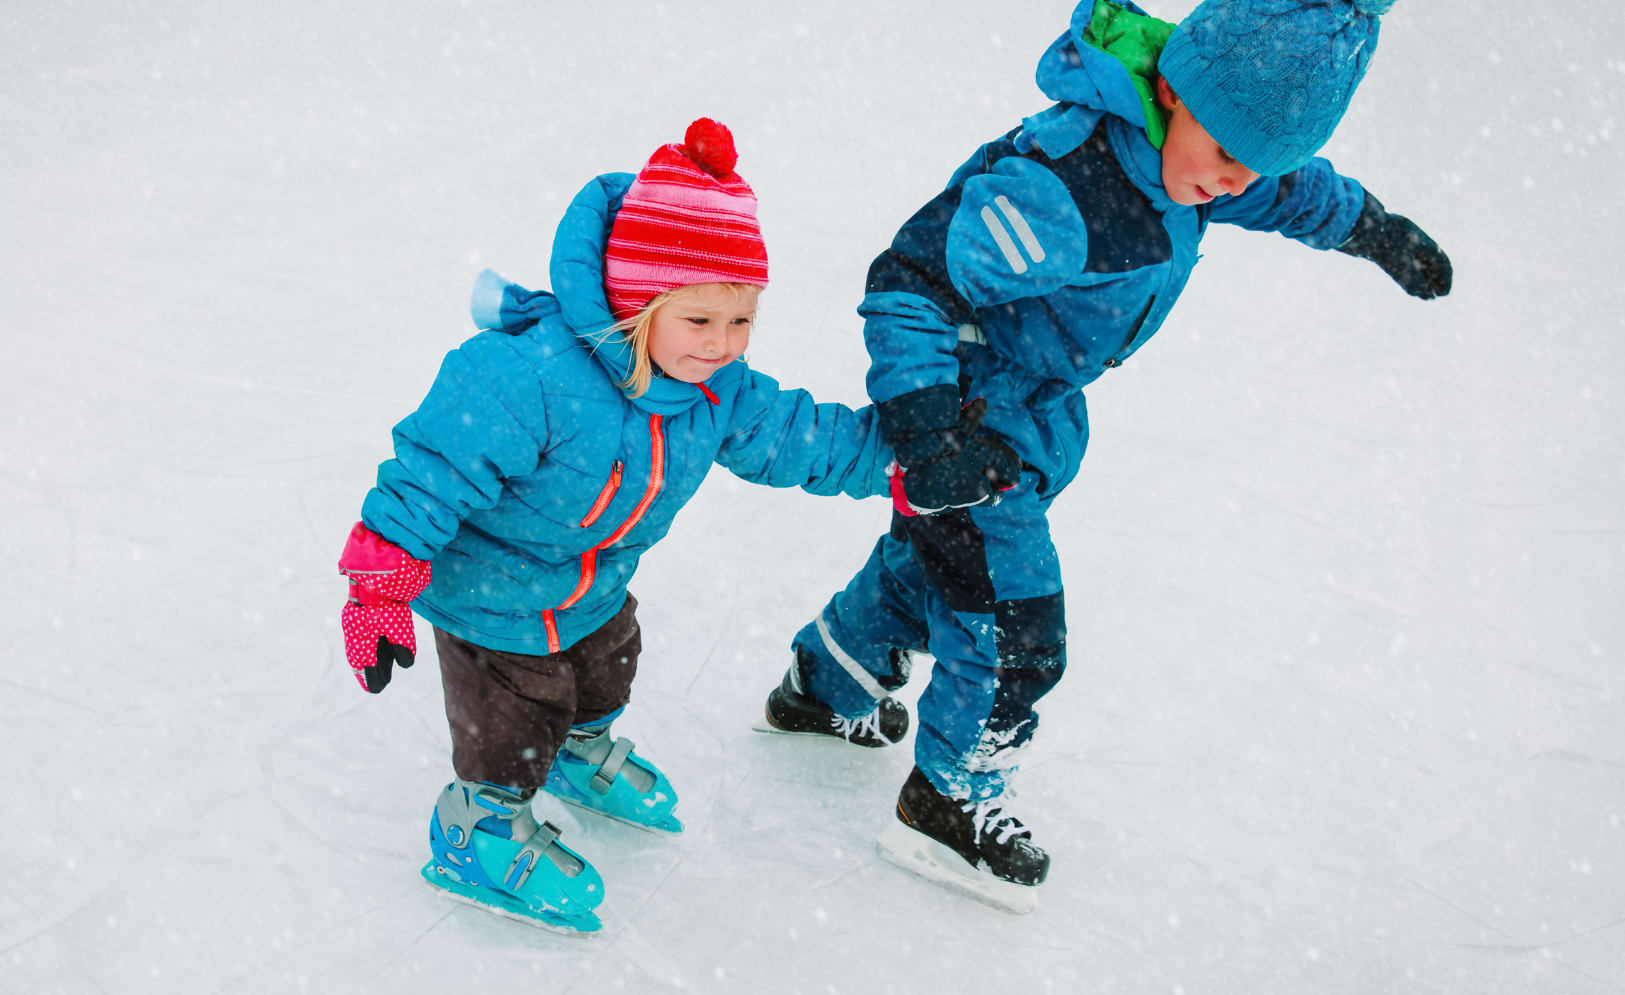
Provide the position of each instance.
(921, 855)
(667, 825)
(579, 924)
(763, 725)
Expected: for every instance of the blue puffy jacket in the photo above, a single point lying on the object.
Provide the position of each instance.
(535, 484)
(1055, 253)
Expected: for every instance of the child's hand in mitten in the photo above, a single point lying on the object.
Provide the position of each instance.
(1403, 250)
(377, 622)
(955, 467)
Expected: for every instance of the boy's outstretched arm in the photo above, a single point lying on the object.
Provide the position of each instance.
(1325, 210)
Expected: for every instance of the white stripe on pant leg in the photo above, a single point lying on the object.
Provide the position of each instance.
(1024, 231)
(995, 227)
(851, 666)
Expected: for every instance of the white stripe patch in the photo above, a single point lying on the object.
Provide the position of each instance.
(995, 227)
(1029, 241)
(851, 666)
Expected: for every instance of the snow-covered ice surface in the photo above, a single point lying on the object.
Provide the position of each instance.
(1345, 574)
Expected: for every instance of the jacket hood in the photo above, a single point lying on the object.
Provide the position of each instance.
(1105, 63)
(577, 274)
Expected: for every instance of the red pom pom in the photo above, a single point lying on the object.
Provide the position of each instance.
(711, 145)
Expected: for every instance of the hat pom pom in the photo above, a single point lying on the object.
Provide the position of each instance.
(1373, 8)
(711, 145)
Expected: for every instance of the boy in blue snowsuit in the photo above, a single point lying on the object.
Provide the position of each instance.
(1051, 257)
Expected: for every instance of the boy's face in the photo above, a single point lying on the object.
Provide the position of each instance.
(701, 330)
(1194, 168)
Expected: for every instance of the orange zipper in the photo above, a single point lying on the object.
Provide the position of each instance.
(552, 631)
(589, 559)
(657, 476)
(604, 496)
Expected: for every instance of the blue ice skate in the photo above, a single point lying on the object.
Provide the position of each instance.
(488, 850)
(603, 775)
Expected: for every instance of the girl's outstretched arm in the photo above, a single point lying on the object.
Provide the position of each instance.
(783, 438)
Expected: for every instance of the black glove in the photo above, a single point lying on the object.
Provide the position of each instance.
(1403, 250)
(943, 461)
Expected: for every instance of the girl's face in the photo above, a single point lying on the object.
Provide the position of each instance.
(1194, 168)
(701, 330)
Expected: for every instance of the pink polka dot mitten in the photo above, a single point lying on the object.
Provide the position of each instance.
(377, 622)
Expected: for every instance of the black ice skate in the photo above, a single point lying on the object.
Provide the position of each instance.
(789, 710)
(973, 847)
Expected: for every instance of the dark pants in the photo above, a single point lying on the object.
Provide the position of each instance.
(510, 712)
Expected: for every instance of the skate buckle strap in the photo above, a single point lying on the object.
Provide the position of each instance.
(609, 757)
(463, 804)
(604, 777)
(457, 814)
(531, 853)
(591, 744)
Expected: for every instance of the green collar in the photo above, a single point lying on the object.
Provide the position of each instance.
(1135, 40)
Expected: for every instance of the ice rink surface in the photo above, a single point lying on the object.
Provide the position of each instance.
(1345, 710)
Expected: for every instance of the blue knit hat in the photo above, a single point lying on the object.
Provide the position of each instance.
(1270, 79)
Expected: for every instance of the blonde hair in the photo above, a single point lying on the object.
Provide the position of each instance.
(636, 329)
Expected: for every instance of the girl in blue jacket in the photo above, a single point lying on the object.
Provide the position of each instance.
(551, 451)
(1051, 257)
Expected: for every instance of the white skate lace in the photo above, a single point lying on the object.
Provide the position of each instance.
(989, 817)
(849, 729)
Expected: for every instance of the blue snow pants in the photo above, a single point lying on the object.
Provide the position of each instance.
(978, 588)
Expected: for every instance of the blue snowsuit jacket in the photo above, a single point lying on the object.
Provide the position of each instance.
(1054, 254)
(534, 483)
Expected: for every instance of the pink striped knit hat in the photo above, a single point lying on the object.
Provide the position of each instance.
(688, 218)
